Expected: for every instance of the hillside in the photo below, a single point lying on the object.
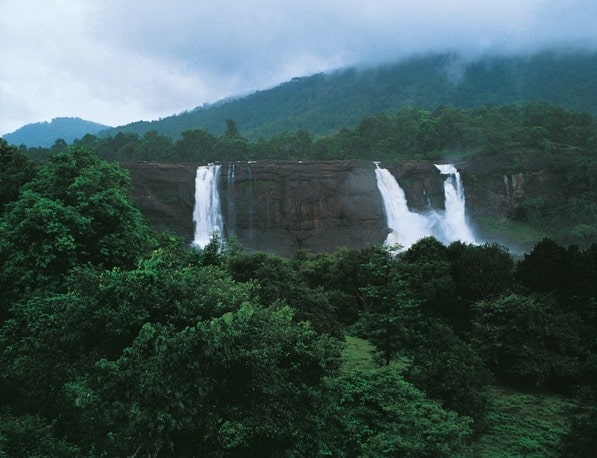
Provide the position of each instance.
(44, 134)
(324, 103)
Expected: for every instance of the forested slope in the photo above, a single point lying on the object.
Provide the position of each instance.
(324, 103)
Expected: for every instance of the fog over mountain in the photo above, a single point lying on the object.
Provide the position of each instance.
(118, 62)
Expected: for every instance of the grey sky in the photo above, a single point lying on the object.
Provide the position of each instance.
(118, 61)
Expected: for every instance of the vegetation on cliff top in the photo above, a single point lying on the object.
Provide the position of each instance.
(566, 140)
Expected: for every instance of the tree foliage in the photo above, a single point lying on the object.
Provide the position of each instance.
(527, 340)
(384, 415)
(16, 169)
(247, 382)
(76, 210)
(115, 341)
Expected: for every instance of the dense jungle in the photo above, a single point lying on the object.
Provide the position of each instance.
(117, 340)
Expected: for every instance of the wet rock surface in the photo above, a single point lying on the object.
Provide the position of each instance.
(165, 194)
(284, 206)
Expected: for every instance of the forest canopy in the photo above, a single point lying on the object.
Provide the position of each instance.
(407, 134)
(118, 341)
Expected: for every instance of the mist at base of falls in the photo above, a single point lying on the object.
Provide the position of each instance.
(407, 227)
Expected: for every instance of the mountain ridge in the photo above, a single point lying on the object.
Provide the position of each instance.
(44, 134)
(326, 102)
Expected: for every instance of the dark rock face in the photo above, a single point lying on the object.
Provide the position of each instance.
(499, 186)
(421, 182)
(281, 207)
(165, 194)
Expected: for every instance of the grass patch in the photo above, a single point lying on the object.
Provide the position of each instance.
(510, 232)
(358, 354)
(523, 425)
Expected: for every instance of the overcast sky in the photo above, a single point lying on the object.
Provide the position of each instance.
(119, 61)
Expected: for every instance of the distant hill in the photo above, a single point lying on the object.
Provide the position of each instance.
(325, 103)
(45, 134)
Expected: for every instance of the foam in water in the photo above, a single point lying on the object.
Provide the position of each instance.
(207, 214)
(407, 227)
(454, 224)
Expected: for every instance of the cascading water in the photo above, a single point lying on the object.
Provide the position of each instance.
(207, 214)
(454, 224)
(406, 227)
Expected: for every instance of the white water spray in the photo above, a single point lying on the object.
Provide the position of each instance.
(207, 214)
(406, 227)
(454, 224)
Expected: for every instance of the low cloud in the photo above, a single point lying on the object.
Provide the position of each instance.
(115, 62)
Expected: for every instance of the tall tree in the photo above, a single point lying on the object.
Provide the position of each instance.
(16, 169)
(385, 416)
(77, 210)
(387, 303)
(249, 383)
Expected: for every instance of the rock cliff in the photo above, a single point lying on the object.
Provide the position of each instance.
(165, 194)
(499, 185)
(282, 206)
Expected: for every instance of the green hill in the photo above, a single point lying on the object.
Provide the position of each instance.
(44, 134)
(325, 103)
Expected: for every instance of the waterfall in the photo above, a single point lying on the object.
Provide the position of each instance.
(454, 224)
(207, 214)
(406, 227)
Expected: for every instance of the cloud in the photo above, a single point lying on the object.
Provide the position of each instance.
(115, 61)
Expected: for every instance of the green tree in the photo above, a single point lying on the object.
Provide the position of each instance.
(232, 148)
(479, 272)
(77, 210)
(527, 340)
(25, 436)
(231, 128)
(194, 145)
(250, 382)
(384, 415)
(155, 146)
(16, 169)
(445, 367)
(386, 304)
(338, 273)
(40, 240)
(279, 283)
(53, 338)
(427, 270)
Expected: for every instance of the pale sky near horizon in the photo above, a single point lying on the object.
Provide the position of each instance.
(119, 61)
